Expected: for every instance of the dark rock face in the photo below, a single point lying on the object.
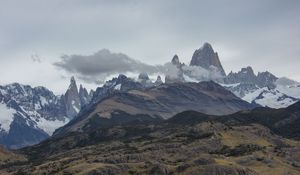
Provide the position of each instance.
(207, 57)
(245, 75)
(84, 96)
(266, 79)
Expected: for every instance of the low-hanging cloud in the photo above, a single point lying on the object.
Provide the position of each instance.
(95, 67)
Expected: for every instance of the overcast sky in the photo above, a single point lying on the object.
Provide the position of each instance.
(35, 34)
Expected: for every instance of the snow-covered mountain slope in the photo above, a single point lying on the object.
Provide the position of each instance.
(264, 96)
(270, 98)
(23, 107)
(29, 115)
(288, 86)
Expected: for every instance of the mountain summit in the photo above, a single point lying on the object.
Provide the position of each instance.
(72, 99)
(207, 57)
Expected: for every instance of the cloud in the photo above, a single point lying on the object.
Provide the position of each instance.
(96, 67)
(201, 74)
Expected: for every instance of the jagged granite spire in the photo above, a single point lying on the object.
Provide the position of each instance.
(72, 99)
(175, 60)
(207, 57)
(84, 96)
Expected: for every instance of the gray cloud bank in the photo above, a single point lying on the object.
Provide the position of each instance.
(95, 67)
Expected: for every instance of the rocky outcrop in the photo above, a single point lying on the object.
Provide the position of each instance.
(207, 57)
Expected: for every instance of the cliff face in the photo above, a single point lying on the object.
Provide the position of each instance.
(207, 57)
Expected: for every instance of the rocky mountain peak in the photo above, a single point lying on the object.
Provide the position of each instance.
(158, 81)
(73, 82)
(145, 80)
(207, 46)
(207, 57)
(175, 60)
(245, 75)
(266, 79)
(143, 76)
(84, 96)
(247, 70)
(72, 99)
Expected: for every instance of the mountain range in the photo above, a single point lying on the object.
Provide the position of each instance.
(263, 89)
(29, 115)
(32, 114)
(197, 121)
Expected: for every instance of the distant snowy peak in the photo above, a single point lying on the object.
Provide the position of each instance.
(28, 114)
(273, 97)
(270, 98)
(158, 81)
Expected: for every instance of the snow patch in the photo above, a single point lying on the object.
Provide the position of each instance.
(249, 97)
(43, 101)
(49, 126)
(230, 85)
(6, 117)
(3, 92)
(118, 87)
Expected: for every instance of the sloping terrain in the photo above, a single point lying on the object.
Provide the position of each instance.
(161, 102)
(189, 143)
